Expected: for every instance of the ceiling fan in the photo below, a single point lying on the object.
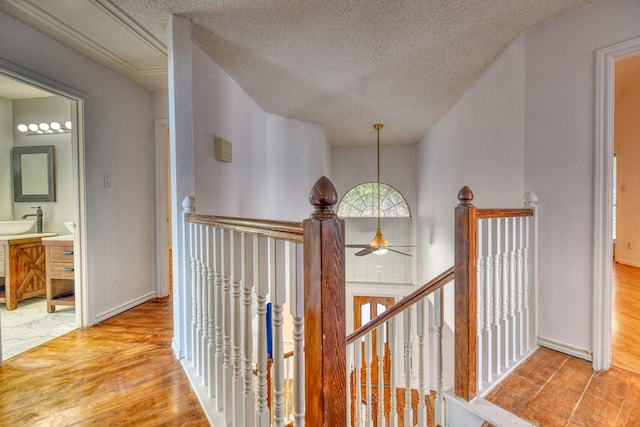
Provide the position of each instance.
(379, 245)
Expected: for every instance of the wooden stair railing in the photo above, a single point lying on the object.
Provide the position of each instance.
(234, 262)
(491, 292)
(390, 404)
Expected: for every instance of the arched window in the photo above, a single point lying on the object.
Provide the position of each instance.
(362, 201)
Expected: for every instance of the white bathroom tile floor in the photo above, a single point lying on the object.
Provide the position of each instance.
(30, 325)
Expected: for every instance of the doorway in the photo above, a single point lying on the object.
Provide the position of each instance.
(51, 118)
(163, 208)
(626, 222)
(606, 59)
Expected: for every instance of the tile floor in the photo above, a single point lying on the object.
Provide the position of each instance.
(30, 325)
(552, 389)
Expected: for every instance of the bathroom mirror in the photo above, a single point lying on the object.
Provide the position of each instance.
(33, 174)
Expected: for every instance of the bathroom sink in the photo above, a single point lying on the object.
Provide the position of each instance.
(9, 228)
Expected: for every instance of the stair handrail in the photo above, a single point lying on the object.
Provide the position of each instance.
(426, 289)
(285, 230)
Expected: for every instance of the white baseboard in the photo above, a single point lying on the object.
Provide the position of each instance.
(580, 353)
(124, 307)
(626, 262)
(215, 418)
(175, 347)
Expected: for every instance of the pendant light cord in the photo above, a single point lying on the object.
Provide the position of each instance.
(378, 127)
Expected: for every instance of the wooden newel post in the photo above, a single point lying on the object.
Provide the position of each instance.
(324, 311)
(465, 296)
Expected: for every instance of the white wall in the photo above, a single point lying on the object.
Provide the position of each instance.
(38, 110)
(479, 143)
(351, 166)
(118, 137)
(275, 160)
(6, 142)
(559, 153)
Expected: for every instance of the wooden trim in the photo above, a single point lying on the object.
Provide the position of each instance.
(401, 305)
(324, 323)
(324, 311)
(465, 296)
(502, 213)
(282, 230)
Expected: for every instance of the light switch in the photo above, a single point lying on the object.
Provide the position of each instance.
(107, 180)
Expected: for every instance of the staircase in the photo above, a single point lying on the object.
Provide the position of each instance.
(255, 288)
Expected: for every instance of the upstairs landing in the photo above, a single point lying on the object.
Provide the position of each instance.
(552, 389)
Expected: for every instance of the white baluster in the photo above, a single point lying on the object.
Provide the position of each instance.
(237, 261)
(488, 345)
(350, 389)
(226, 295)
(439, 322)
(194, 297)
(183, 295)
(250, 271)
(479, 288)
(380, 336)
(204, 287)
(496, 301)
(505, 295)
(368, 365)
(262, 410)
(219, 318)
(520, 285)
(420, 331)
(512, 287)
(277, 291)
(295, 279)
(357, 347)
(198, 279)
(210, 349)
(408, 360)
(525, 275)
(393, 376)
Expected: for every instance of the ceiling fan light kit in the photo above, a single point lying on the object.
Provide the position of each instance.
(379, 245)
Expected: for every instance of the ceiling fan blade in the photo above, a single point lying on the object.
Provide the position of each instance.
(364, 245)
(398, 252)
(363, 252)
(401, 246)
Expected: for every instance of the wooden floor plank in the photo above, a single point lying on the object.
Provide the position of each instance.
(625, 339)
(119, 372)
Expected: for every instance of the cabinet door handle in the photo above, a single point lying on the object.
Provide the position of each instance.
(67, 253)
(69, 270)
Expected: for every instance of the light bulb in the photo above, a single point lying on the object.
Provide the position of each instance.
(67, 124)
(44, 126)
(23, 128)
(55, 125)
(33, 127)
(380, 251)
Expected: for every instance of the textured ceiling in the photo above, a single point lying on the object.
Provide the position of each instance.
(348, 64)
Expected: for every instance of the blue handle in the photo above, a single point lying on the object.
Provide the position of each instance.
(69, 270)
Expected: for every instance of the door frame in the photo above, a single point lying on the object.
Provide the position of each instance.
(162, 207)
(79, 175)
(603, 196)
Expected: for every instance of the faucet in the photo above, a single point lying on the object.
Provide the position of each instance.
(38, 216)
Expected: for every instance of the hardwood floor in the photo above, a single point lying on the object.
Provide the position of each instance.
(552, 389)
(625, 330)
(119, 372)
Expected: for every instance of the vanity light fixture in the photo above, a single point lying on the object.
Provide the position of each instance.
(45, 128)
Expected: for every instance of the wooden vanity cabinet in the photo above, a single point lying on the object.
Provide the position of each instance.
(60, 284)
(22, 268)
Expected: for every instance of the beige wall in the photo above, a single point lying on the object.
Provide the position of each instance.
(627, 145)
